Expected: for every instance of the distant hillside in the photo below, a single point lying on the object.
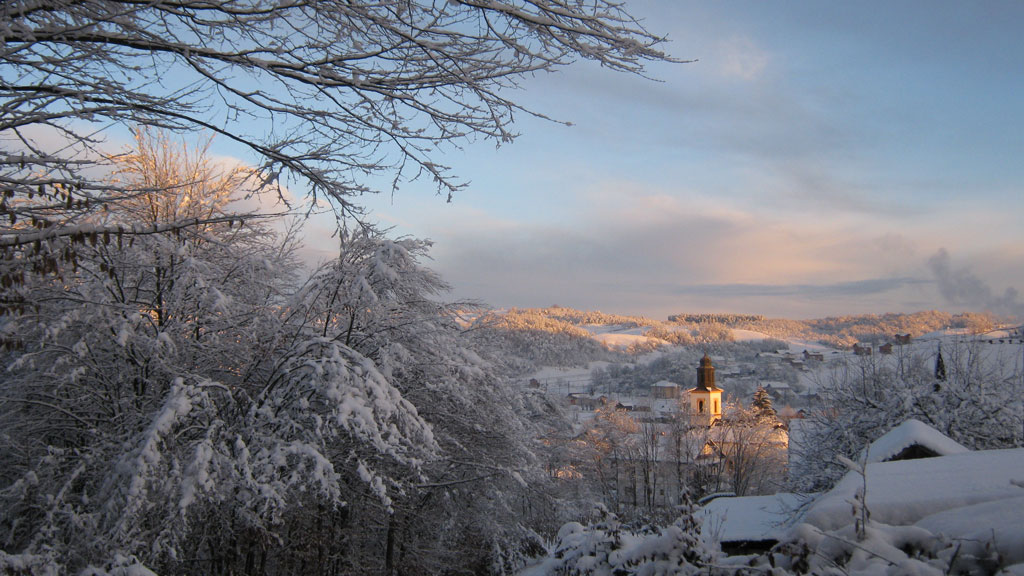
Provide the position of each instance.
(844, 331)
(531, 338)
(559, 336)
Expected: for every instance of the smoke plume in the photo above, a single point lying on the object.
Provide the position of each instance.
(961, 287)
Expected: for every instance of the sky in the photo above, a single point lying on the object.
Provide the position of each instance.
(817, 159)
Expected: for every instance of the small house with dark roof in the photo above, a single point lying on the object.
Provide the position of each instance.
(862, 349)
(665, 390)
(749, 524)
(814, 356)
(911, 440)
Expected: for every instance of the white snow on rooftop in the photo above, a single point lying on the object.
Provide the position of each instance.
(749, 518)
(1000, 523)
(904, 492)
(908, 434)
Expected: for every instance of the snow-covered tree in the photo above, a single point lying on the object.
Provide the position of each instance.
(609, 446)
(940, 366)
(175, 400)
(762, 403)
(752, 447)
(862, 398)
(379, 302)
(123, 401)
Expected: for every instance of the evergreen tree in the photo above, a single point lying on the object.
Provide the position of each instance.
(762, 403)
(940, 366)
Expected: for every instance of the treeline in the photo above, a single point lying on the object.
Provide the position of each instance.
(871, 327)
(691, 335)
(727, 319)
(844, 331)
(585, 317)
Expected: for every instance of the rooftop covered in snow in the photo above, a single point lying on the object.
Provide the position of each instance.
(904, 492)
(910, 439)
(749, 518)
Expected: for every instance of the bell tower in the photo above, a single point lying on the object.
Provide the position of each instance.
(706, 398)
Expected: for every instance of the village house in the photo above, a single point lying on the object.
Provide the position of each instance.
(818, 356)
(862, 349)
(664, 390)
(586, 402)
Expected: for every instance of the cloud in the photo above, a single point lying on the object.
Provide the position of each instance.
(961, 287)
(628, 250)
(738, 57)
(871, 286)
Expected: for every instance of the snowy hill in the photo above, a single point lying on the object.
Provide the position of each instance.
(622, 332)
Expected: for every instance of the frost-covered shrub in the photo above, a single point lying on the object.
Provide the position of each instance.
(605, 548)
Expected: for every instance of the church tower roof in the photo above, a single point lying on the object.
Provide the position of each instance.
(705, 376)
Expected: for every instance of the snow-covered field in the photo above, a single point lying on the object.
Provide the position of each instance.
(748, 335)
(615, 336)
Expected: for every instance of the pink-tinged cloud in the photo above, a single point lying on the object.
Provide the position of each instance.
(654, 253)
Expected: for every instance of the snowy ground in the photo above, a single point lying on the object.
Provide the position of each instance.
(748, 336)
(616, 336)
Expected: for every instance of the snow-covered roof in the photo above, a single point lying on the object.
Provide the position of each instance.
(664, 384)
(910, 433)
(997, 522)
(749, 518)
(905, 491)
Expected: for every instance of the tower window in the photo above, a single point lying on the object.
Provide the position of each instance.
(700, 406)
